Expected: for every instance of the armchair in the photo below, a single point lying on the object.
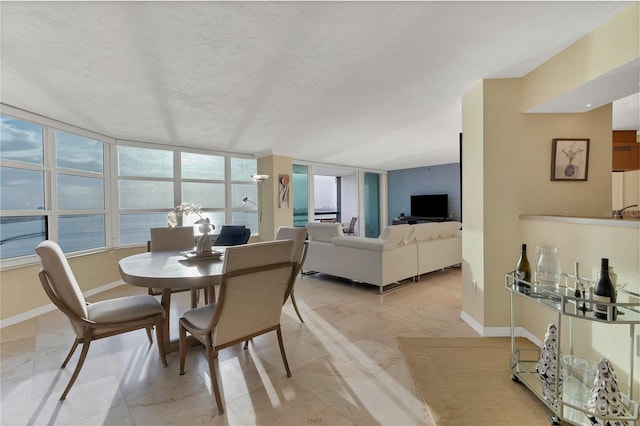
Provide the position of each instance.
(255, 283)
(93, 321)
(174, 239)
(298, 235)
(233, 235)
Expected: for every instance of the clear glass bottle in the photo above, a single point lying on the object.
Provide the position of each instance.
(548, 270)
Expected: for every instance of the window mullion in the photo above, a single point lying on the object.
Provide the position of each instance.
(51, 189)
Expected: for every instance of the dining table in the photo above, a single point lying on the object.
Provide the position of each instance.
(170, 270)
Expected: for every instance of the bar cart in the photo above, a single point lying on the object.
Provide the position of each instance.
(565, 302)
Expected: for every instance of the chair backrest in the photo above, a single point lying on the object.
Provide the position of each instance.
(352, 224)
(172, 239)
(233, 235)
(58, 275)
(299, 236)
(254, 286)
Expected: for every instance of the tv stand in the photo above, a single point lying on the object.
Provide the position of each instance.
(410, 220)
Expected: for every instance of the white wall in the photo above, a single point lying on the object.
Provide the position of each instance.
(349, 198)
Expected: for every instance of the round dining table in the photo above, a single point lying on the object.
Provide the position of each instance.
(171, 270)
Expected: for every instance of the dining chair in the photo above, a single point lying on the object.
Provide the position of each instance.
(233, 235)
(174, 239)
(93, 321)
(350, 228)
(256, 281)
(299, 254)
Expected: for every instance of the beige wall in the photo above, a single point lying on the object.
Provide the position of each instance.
(473, 205)
(21, 291)
(626, 189)
(610, 46)
(511, 174)
(273, 215)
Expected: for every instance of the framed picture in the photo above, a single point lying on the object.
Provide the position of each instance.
(569, 159)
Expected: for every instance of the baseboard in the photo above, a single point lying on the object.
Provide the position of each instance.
(498, 331)
(51, 307)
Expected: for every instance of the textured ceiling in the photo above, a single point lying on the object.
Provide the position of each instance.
(365, 84)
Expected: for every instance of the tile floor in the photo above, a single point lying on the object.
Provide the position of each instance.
(346, 367)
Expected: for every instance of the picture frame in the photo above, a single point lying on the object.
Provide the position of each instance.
(569, 159)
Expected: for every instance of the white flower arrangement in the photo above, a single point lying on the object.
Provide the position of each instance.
(572, 152)
(189, 208)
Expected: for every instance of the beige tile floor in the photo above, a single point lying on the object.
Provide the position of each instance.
(346, 367)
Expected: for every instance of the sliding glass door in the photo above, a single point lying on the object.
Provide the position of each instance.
(371, 201)
(300, 195)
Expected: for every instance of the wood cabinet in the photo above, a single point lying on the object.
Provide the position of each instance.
(626, 151)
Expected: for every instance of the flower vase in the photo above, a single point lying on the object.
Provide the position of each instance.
(570, 171)
(203, 247)
(548, 270)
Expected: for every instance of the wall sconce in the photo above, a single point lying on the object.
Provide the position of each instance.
(259, 178)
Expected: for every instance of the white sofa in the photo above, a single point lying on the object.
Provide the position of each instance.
(401, 252)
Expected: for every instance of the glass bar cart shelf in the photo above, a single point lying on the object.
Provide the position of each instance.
(564, 301)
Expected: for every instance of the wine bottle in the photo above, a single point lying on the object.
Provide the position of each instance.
(523, 272)
(605, 292)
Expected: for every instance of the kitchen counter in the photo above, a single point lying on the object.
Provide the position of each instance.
(624, 223)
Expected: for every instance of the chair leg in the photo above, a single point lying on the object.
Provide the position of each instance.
(83, 355)
(212, 359)
(182, 332)
(73, 349)
(295, 306)
(148, 328)
(160, 339)
(284, 355)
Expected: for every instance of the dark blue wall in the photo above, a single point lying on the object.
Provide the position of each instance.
(441, 179)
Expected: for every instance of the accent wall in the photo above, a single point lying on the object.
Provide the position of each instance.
(440, 179)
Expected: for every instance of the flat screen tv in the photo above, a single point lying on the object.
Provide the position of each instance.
(430, 206)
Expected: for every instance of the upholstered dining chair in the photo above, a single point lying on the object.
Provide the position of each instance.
(93, 321)
(256, 281)
(299, 254)
(233, 235)
(350, 228)
(174, 239)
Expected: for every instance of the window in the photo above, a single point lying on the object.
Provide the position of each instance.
(80, 209)
(152, 181)
(145, 191)
(37, 162)
(23, 221)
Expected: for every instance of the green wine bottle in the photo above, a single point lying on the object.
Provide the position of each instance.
(604, 292)
(523, 272)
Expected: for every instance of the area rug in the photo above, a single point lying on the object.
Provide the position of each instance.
(467, 381)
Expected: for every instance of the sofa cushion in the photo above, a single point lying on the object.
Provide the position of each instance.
(363, 243)
(323, 231)
(448, 229)
(397, 233)
(426, 231)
